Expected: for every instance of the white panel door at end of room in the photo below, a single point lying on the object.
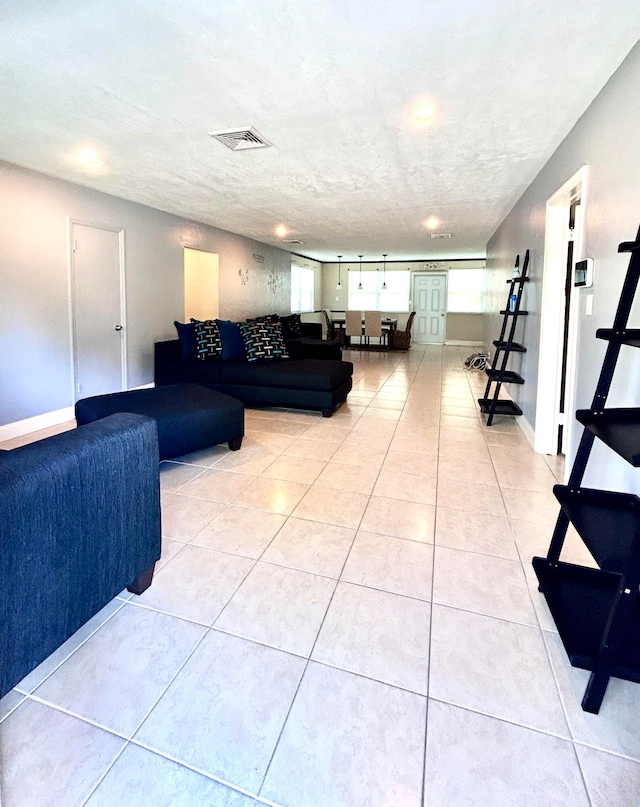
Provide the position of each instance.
(97, 282)
(430, 305)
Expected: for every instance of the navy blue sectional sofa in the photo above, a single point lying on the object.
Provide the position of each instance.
(313, 377)
(296, 383)
(79, 521)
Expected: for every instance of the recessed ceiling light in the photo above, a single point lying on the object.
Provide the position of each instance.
(423, 112)
(281, 231)
(87, 156)
(431, 223)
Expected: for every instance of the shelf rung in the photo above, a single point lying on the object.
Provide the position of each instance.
(520, 313)
(516, 347)
(629, 336)
(629, 246)
(617, 428)
(606, 521)
(580, 600)
(509, 376)
(502, 407)
(518, 279)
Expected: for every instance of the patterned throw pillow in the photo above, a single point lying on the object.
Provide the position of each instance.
(263, 341)
(208, 341)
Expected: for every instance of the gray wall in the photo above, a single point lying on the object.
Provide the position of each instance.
(464, 327)
(607, 139)
(35, 360)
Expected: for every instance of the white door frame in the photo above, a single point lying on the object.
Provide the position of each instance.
(414, 276)
(72, 302)
(552, 310)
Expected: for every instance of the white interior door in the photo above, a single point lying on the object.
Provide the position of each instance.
(97, 273)
(430, 305)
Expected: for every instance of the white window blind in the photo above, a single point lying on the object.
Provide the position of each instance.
(302, 288)
(372, 297)
(464, 290)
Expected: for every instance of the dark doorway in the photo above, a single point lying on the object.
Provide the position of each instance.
(568, 285)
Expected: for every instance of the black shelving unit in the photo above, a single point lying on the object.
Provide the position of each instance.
(597, 611)
(490, 403)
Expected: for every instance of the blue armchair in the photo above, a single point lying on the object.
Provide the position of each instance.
(79, 521)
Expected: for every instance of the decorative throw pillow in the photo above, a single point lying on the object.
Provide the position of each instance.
(263, 341)
(232, 341)
(291, 326)
(187, 337)
(208, 341)
(264, 318)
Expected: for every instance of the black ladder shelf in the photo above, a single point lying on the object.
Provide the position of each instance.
(505, 345)
(597, 611)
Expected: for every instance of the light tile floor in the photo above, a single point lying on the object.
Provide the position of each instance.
(345, 615)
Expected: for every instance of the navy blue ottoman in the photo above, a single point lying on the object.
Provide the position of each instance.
(188, 416)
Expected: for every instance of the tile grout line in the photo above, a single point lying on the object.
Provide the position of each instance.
(544, 642)
(155, 703)
(309, 659)
(66, 658)
(433, 573)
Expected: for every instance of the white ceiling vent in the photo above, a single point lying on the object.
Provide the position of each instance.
(246, 137)
(292, 241)
(440, 235)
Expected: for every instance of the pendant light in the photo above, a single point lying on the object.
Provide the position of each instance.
(384, 271)
(339, 286)
(360, 283)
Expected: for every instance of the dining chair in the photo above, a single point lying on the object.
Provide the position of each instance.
(401, 340)
(373, 327)
(330, 327)
(353, 325)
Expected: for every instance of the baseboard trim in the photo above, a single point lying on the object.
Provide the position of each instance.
(21, 427)
(462, 343)
(527, 429)
(36, 423)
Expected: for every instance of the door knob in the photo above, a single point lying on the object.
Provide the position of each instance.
(118, 327)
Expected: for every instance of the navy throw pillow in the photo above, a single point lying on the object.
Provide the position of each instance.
(187, 336)
(232, 341)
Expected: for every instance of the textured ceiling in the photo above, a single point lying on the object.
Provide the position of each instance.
(332, 84)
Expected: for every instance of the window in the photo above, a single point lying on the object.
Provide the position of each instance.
(372, 297)
(302, 287)
(464, 290)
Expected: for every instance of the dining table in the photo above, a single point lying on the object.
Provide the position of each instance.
(338, 321)
(387, 322)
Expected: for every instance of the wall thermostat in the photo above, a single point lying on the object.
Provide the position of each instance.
(583, 274)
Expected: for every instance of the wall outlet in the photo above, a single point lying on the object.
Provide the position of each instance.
(337, 299)
(588, 308)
